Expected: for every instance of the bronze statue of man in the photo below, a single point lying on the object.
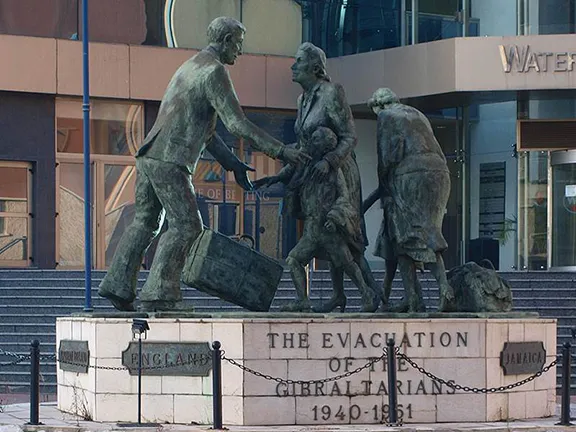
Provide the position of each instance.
(198, 93)
(414, 186)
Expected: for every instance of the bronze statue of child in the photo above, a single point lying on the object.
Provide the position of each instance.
(330, 229)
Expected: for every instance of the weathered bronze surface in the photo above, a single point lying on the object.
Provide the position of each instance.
(222, 267)
(522, 357)
(199, 92)
(414, 186)
(169, 358)
(479, 289)
(74, 356)
(283, 315)
(326, 193)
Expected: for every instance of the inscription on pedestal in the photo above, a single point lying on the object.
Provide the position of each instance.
(522, 357)
(74, 356)
(169, 358)
(362, 396)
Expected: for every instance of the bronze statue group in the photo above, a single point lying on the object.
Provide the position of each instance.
(321, 176)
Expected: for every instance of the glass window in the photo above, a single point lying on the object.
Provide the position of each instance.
(350, 27)
(493, 183)
(14, 188)
(41, 18)
(446, 132)
(15, 214)
(493, 18)
(111, 21)
(551, 107)
(116, 128)
(533, 210)
(548, 16)
(118, 21)
(370, 25)
(70, 221)
(439, 20)
(563, 204)
(14, 241)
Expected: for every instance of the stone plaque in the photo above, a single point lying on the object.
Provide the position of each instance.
(169, 358)
(522, 357)
(74, 356)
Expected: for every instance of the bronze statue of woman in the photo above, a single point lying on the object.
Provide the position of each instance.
(414, 187)
(323, 104)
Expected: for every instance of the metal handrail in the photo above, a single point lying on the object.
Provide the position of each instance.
(12, 243)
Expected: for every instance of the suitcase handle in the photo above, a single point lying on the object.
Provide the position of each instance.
(245, 239)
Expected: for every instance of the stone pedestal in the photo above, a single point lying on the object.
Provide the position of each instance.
(465, 350)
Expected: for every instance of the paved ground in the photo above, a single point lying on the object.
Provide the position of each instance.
(13, 418)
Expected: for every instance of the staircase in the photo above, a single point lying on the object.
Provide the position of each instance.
(30, 301)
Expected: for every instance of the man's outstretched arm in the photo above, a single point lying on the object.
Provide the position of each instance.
(223, 97)
(222, 153)
(229, 161)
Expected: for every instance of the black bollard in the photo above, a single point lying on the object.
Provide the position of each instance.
(140, 379)
(565, 408)
(392, 389)
(35, 383)
(217, 385)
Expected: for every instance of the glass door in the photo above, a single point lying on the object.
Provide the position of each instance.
(446, 132)
(113, 182)
(70, 212)
(115, 192)
(116, 131)
(563, 211)
(15, 214)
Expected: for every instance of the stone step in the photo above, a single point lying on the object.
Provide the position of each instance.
(70, 287)
(21, 377)
(318, 274)
(22, 346)
(46, 368)
(26, 327)
(56, 283)
(45, 338)
(75, 297)
(14, 307)
(30, 318)
(529, 301)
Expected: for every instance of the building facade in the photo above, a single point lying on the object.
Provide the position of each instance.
(496, 78)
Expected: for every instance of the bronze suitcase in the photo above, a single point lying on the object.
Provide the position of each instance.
(232, 271)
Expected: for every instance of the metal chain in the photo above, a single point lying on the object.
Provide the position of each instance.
(290, 381)
(11, 354)
(475, 389)
(19, 358)
(14, 362)
(164, 366)
(48, 356)
(22, 357)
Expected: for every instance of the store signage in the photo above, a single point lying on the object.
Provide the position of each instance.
(523, 59)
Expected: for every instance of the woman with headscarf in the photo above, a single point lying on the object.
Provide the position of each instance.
(414, 186)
